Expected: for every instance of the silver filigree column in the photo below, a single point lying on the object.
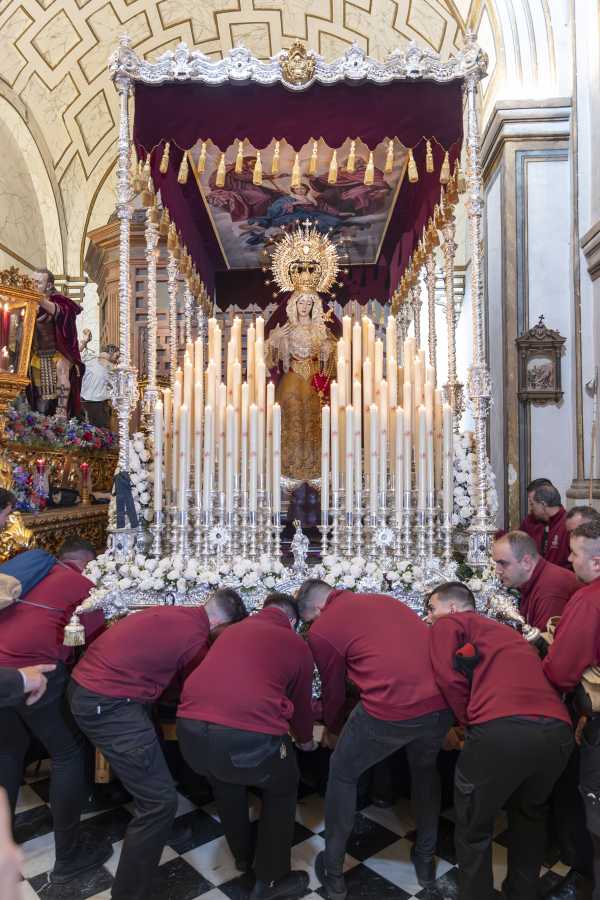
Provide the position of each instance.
(402, 324)
(416, 302)
(151, 392)
(188, 307)
(124, 386)
(432, 333)
(172, 288)
(453, 387)
(479, 383)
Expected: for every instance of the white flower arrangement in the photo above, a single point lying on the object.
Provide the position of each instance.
(140, 469)
(465, 489)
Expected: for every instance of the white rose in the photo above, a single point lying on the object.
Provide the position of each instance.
(213, 578)
(403, 565)
(329, 579)
(370, 568)
(110, 565)
(181, 585)
(139, 560)
(173, 575)
(455, 519)
(356, 571)
(124, 583)
(239, 570)
(150, 564)
(146, 584)
(329, 560)
(407, 578)
(138, 445)
(475, 584)
(144, 455)
(224, 568)
(417, 572)
(250, 580)
(348, 581)
(418, 587)
(269, 582)
(278, 568)
(158, 584)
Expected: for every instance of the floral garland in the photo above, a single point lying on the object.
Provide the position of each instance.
(36, 430)
(465, 489)
(173, 573)
(31, 491)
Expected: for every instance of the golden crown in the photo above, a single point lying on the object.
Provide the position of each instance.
(305, 250)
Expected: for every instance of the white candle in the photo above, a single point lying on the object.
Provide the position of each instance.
(325, 428)
(349, 458)
(221, 414)
(430, 375)
(252, 458)
(198, 359)
(260, 329)
(236, 333)
(198, 406)
(184, 459)
(218, 351)
(260, 403)
(189, 350)
(448, 454)
(347, 339)
(373, 459)
(378, 368)
(244, 438)
(418, 382)
(371, 331)
(429, 448)
(422, 466)
(341, 380)
(250, 361)
(208, 458)
(408, 437)
(399, 463)
(229, 458)
(335, 439)
(237, 405)
(383, 440)
(177, 398)
(367, 394)
(168, 433)
(188, 392)
(158, 456)
(409, 359)
(276, 501)
(356, 352)
(357, 452)
(269, 445)
(390, 341)
(438, 438)
(392, 380)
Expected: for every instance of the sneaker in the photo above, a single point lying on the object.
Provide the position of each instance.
(292, 885)
(88, 856)
(335, 885)
(424, 867)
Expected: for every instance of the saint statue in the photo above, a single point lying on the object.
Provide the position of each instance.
(302, 349)
(56, 366)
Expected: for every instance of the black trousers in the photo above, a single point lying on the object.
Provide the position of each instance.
(50, 721)
(124, 732)
(366, 741)
(589, 774)
(234, 760)
(512, 762)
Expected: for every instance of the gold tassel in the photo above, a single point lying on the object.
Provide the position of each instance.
(183, 169)
(202, 159)
(220, 179)
(351, 164)
(172, 237)
(370, 170)
(165, 221)
(139, 183)
(413, 172)
(153, 214)
(333, 169)
(147, 197)
(275, 160)
(389, 159)
(74, 633)
(164, 163)
(445, 170)
(296, 172)
(257, 173)
(429, 158)
(239, 160)
(461, 181)
(146, 169)
(312, 163)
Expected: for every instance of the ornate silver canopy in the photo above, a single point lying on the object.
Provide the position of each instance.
(298, 68)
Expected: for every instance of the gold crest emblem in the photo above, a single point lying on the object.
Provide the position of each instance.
(298, 64)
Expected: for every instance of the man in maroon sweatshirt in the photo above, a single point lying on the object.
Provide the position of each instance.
(383, 648)
(31, 634)
(544, 587)
(576, 647)
(233, 724)
(114, 684)
(546, 506)
(518, 741)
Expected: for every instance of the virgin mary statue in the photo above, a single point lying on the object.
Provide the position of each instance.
(302, 349)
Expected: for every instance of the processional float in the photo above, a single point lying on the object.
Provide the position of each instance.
(386, 454)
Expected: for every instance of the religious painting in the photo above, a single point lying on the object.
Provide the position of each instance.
(540, 351)
(247, 212)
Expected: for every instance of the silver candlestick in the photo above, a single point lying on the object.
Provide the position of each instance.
(252, 527)
(206, 529)
(358, 529)
(348, 530)
(446, 529)
(182, 534)
(372, 549)
(407, 525)
(268, 537)
(197, 519)
(243, 524)
(277, 529)
(324, 529)
(430, 516)
(172, 521)
(420, 530)
(335, 514)
(156, 528)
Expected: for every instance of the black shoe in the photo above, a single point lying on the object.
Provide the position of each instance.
(88, 856)
(242, 865)
(424, 867)
(335, 885)
(572, 887)
(292, 885)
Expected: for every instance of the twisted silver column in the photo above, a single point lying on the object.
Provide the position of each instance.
(449, 247)
(416, 303)
(151, 392)
(432, 335)
(172, 289)
(479, 385)
(188, 307)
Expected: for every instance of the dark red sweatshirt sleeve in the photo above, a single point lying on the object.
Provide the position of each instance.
(446, 637)
(301, 696)
(332, 669)
(575, 647)
(93, 623)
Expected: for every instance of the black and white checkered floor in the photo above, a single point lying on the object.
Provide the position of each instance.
(196, 863)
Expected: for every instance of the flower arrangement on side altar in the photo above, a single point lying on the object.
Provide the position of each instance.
(27, 427)
(465, 490)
